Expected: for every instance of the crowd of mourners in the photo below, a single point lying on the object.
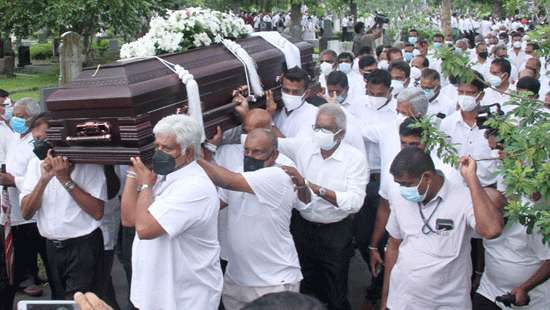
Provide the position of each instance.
(268, 215)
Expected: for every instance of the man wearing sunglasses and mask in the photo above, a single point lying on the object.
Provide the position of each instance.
(438, 107)
(331, 178)
(259, 196)
(174, 209)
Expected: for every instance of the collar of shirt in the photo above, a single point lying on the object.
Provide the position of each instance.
(441, 194)
(337, 155)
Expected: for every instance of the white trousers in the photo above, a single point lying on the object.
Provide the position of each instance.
(234, 296)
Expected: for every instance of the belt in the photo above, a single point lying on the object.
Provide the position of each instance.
(60, 244)
(324, 225)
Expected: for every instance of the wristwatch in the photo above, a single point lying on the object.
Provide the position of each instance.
(322, 191)
(142, 187)
(69, 185)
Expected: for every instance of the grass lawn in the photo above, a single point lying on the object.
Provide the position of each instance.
(28, 85)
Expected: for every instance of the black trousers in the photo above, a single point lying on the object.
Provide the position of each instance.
(324, 251)
(124, 252)
(28, 243)
(482, 303)
(363, 227)
(77, 265)
(110, 296)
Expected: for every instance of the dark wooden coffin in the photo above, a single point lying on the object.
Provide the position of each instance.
(107, 114)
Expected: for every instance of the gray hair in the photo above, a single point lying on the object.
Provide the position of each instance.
(416, 97)
(185, 128)
(30, 105)
(331, 52)
(501, 47)
(335, 111)
(398, 44)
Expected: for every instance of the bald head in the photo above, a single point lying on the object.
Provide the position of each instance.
(261, 144)
(257, 118)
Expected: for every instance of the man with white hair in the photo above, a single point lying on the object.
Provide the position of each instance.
(174, 209)
(331, 178)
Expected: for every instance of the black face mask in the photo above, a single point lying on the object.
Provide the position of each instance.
(484, 55)
(163, 163)
(252, 164)
(41, 149)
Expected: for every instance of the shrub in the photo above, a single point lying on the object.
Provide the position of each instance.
(41, 51)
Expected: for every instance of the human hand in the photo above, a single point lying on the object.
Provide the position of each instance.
(331, 98)
(270, 104)
(144, 175)
(295, 176)
(375, 260)
(90, 301)
(7, 179)
(522, 298)
(217, 138)
(242, 107)
(61, 167)
(468, 168)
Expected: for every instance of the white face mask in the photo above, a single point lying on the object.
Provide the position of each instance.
(383, 64)
(415, 73)
(324, 140)
(397, 86)
(416, 52)
(467, 103)
(292, 102)
(517, 44)
(494, 80)
(376, 102)
(326, 68)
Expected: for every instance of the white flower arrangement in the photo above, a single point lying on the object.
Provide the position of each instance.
(185, 29)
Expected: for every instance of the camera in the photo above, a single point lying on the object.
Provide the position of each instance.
(487, 112)
(380, 19)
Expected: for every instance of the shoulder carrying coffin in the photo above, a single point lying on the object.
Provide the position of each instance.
(107, 115)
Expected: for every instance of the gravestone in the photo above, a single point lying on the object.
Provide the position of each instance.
(23, 56)
(70, 57)
(1, 47)
(114, 45)
(55, 46)
(327, 34)
(335, 45)
(44, 94)
(7, 65)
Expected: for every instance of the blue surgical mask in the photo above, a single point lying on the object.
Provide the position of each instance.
(408, 56)
(411, 193)
(437, 45)
(344, 67)
(428, 92)
(412, 40)
(340, 99)
(19, 125)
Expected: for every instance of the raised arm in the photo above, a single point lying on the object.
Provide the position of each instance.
(33, 201)
(225, 178)
(488, 218)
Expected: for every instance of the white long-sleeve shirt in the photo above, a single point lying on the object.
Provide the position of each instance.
(345, 172)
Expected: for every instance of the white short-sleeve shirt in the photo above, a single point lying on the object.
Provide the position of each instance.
(18, 156)
(181, 269)
(261, 251)
(60, 217)
(510, 260)
(440, 263)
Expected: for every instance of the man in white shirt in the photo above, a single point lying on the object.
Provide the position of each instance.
(297, 116)
(516, 54)
(516, 263)
(400, 72)
(485, 27)
(499, 77)
(68, 201)
(438, 107)
(464, 133)
(337, 175)
(174, 209)
(430, 229)
(481, 63)
(259, 200)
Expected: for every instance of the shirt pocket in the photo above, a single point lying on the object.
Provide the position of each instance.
(444, 244)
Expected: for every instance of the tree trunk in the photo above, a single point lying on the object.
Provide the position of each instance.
(446, 18)
(296, 21)
(498, 9)
(353, 10)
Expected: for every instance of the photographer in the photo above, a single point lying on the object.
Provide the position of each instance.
(363, 38)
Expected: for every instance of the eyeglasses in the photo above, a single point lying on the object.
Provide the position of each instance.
(324, 130)
(327, 61)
